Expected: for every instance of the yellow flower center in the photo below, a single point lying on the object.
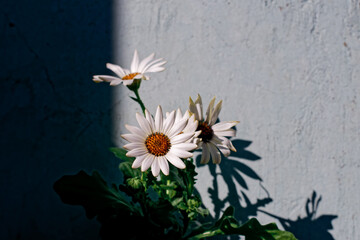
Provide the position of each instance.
(158, 144)
(130, 76)
(206, 132)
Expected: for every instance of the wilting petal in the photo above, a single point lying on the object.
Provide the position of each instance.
(215, 114)
(215, 154)
(205, 156)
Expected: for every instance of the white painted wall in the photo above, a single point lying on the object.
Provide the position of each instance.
(288, 70)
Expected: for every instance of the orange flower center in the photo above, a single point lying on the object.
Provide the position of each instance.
(130, 76)
(206, 132)
(158, 144)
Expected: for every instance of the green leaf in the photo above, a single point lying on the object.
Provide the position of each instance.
(121, 153)
(92, 193)
(252, 229)
(128, 171)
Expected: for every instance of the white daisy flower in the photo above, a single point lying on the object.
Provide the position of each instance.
(191, 125)
(213, 135)
(137, 70)
(158, 141)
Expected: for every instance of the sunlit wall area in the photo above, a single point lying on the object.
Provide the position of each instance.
(289, 72)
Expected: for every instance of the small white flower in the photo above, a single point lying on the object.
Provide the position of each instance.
(213, 135)
(158, 141)
(137, 70)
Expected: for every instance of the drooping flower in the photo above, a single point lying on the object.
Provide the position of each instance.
(137, 70)
(213, 135)
(158, 141)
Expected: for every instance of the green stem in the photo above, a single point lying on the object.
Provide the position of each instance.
(138, 99)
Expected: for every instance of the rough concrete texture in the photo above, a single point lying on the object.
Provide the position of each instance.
(289, 71)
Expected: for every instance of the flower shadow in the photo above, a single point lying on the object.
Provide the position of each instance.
(233, 170)
(309, 227)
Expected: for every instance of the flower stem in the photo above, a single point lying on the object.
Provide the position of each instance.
(138, 100)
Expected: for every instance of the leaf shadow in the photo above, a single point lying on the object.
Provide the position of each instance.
(309, 227)
(233, 170)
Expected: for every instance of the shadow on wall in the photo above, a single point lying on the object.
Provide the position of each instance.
(54, 120)
(232, 170)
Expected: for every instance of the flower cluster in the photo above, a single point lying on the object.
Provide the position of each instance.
(172, 138)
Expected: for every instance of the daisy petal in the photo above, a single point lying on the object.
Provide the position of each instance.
(115, 82)
(215, 114)
(116, 69)
(164, 165)
(128, 82)
(186, 146)
(227, 133)
(224, 150)
(156, 69)
(150, 119)
(177, 128)
(215, 154)
(180, 153)
(135, 130)
(223, 126)
(147, 162)
(136, 152)
(149, 65)
(155, 167)
(106, 78)
(158, 119)
(131, 146)
(178, 115)
(228, 144)
(198, 104)
(210, 110)
(144, 124)
(132, 137)
(145, 61)
(181, 138)
(205, 156)
(169, 121)
(175, 160)
(135, 62)
(138, 161)
(194, 110)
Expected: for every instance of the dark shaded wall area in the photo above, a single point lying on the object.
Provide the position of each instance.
(54, 120)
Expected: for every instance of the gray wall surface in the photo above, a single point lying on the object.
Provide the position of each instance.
(289, 72)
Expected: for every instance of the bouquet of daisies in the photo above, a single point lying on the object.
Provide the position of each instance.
(157, 199)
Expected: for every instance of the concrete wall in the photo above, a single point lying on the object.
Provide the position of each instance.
(289, 71)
